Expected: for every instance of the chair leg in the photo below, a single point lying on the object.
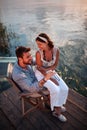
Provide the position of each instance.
(38, 101)
(23, 111)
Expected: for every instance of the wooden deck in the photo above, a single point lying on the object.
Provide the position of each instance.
(41, 119)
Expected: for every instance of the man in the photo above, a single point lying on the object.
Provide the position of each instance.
(24, 76)
(23, 73)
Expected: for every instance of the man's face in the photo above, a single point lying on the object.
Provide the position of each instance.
(27, 58)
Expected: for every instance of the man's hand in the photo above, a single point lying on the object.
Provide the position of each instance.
(47, 77)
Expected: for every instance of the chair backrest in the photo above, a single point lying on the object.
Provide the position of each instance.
(9, 75)
(9, 70)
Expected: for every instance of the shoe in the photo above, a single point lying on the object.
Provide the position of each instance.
(60, 117)
(63, 109)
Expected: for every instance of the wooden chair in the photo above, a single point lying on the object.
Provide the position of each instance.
(37, 99)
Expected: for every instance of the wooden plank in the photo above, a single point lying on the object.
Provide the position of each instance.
(35, 118)
(15, 99)
(40, 119)
(13, 114)
(77, 113)
(74, 122)
(8, 108)
(63, 126)
(5, 124)
(71, 124)
(25, 125)
(78, 99)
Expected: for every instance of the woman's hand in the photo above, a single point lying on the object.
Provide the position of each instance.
(55, 81)
(42, 70)
(49, 75)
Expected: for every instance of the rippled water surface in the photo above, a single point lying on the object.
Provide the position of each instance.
(65, 21)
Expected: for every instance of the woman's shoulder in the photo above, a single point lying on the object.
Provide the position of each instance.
(56, 49)
(38, 53)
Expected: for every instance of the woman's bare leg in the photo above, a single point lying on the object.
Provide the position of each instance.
(57, 110)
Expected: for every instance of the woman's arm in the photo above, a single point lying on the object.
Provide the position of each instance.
(39, 63)
(44, 70)
(56, 61)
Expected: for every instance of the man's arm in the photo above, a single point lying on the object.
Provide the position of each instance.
(25, 82)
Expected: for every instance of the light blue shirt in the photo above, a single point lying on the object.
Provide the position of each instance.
(25, 78)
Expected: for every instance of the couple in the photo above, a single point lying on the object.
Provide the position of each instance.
(45, 75)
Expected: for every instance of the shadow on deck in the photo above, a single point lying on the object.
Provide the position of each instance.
(41, 119)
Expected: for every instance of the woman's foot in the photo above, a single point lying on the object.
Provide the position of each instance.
(60, 117)
(63, 109)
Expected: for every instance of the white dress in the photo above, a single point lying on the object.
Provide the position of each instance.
(58, 94)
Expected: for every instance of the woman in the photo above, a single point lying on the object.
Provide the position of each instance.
(47, 58)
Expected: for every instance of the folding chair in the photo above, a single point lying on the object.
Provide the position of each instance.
(37, 99)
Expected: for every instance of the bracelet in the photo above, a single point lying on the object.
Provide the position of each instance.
(44, 79)
(41, 82)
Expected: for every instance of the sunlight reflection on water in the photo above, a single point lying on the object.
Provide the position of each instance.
(62, 22)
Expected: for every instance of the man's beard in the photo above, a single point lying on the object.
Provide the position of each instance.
(27, 63)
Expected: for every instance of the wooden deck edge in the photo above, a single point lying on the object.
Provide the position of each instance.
(79, 106)
(77, 93)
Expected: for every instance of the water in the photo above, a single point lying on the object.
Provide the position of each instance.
(62, 20)
(65, 21)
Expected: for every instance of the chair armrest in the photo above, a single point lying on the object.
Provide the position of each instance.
(30, 94)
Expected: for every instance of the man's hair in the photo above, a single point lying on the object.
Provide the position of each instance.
(20, 50)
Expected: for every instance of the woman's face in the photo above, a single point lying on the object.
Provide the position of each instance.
(41, 45)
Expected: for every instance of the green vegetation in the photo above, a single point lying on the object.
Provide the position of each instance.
(6, 37)
(73, 65)
(4, 40)
(72, 80)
